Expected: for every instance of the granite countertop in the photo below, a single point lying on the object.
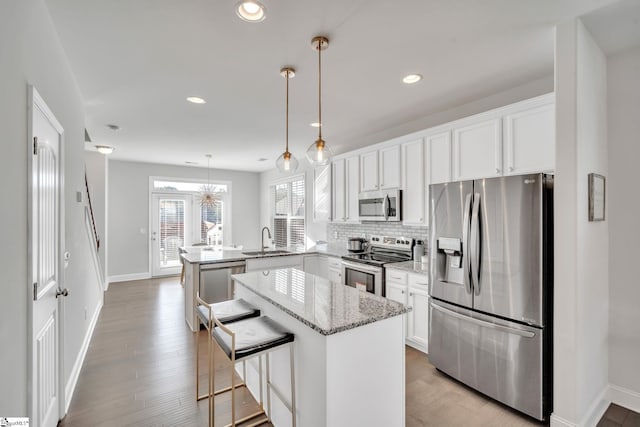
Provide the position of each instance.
(411, 266)
(209, 255)
(324, 306)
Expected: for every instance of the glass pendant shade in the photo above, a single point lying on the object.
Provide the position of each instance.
(287, 163)
(319, 154)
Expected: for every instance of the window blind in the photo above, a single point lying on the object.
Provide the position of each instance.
(289, 211)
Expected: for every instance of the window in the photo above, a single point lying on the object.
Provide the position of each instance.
(288, 212)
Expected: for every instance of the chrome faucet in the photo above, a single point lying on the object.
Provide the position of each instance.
(263, 247)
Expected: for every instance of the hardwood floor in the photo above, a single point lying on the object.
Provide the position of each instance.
(140, 371)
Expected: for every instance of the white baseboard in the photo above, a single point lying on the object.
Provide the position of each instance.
(624, 397)
(77, 366)
(597, 409)
(417, 346)
(557, 421)
(128, 277)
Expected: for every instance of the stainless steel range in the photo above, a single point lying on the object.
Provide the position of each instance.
(366, 270)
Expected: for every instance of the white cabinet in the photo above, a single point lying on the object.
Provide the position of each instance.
(352, 188)
(529, 140)
(322, 194)
(477, 150)
(390, 167)
(439, 157)
(380, 170)
(369, 171)
(316, 264)
(266, 263)
(414, 183)
(411, 289)
(418, 319)
(339, 187)
(334, 265)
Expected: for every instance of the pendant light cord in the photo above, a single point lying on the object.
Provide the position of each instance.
(287, 115)
(320, 88)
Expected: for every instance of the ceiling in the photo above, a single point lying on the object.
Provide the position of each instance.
(136, 61)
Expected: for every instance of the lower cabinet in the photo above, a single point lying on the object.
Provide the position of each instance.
(329, 267)
(411, 289)
(334, 267)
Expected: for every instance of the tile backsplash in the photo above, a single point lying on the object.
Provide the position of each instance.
(367, 229)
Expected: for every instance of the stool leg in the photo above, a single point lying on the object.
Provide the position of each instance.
(260, 376)
(293, 387)
(211, 395)
(233, 390)
(198, 363)
(268, 388)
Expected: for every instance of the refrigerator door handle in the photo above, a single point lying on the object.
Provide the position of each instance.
(465, 244)
(475, 244)
(484, 324)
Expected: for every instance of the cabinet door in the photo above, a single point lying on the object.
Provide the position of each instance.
(418, 329)
(322, 194)
(390, 167)
(316, 264)
(413, 183)
(369, 171)
(529, 141)
(352, 188)
(396, 292)
(335, 275)
(439, 158)
(477, 151)
(338, 193)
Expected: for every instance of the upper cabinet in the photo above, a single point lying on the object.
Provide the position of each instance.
(529, 140)
(380, 169)
(413, 183)
(390, 167)
(477, 150)
(322, 193)
(346, 181)
(369, 171)
(439, 157)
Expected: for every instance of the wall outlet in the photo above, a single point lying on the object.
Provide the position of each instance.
(85, 313)
(335, 235)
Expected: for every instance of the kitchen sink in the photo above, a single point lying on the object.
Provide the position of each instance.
(267, 252)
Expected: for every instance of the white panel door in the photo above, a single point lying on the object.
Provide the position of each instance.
(45, 240)
(439, 158)
(369, 171)
(352, 188)
(477, 151)
(171, 228)
(413, 183)
(339, 191)
(530, 141)
(390, 167)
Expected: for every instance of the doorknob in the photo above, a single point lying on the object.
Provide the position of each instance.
(64, 292)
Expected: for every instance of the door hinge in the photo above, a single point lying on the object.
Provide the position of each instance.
(35, 145)
(35, 291)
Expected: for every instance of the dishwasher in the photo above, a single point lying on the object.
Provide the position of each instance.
(215, 280)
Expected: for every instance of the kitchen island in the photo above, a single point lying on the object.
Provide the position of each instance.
(349, 349)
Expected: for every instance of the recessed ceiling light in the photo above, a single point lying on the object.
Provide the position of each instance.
(314, 125)
(191, 163)
(105, 149)
(113, 127)
(262, 159)
(412, 78)
(196, 100)
(251, 11)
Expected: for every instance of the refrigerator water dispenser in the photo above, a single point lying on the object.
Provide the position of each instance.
(451, 249)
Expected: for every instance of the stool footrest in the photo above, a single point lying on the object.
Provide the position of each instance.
(249, 417)
(222, 390)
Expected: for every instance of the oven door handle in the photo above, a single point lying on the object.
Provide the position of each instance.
(361, 267)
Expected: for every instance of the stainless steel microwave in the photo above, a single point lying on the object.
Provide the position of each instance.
(380, 205)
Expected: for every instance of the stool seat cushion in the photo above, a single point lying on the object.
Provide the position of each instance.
(228, 311)
(252, 336)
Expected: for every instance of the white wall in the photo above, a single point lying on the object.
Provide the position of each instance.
(128, 204)
(97, 178)
(30, 52)
(623, 203)
(581, 247)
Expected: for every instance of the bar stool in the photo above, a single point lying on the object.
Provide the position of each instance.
(252, 338)
(226, 312)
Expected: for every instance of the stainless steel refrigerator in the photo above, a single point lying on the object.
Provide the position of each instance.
(491, 287)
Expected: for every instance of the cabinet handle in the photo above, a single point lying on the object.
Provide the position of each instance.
(396, 277)
(402, 292)
(421, 219)
(410, 294)
(497, 170)
(510, 168)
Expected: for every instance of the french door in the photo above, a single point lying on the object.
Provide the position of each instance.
(171, 228)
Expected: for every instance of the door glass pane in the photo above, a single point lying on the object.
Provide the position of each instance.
(371, 207)
(211, 224)
(171, 231)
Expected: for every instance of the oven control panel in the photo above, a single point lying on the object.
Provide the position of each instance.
(398, 243)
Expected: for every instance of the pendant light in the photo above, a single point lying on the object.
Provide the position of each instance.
(287, 163)
(319, 153)
(208, 198)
